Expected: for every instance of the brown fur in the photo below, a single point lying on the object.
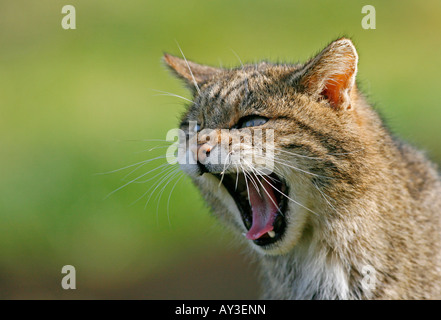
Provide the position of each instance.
(378, 200)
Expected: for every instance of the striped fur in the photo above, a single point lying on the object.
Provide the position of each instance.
(377, 200)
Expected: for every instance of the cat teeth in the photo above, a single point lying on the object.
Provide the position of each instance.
(271, 233)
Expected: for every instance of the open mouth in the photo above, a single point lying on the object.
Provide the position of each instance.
(262, 204)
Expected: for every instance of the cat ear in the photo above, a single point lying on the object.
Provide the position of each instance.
(331, 74)
(194, 74)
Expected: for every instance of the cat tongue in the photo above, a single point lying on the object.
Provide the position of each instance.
(263, 206)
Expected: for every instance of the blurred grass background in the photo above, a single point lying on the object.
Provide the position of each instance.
(74, 103)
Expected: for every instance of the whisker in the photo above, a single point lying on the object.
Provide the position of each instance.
(275, 204)
(189, 69)
(159, 196)
(319, 158)
(165, 93)
(298, 203)
(256, 186)
(156, 185)
(143, 175)
(156, 168)
(246, 183)
(129, 166)
(295, 168)
(301, 170)
(167, 176)
(237, 177)
(169, 196)
(297, 154)
(258, 173)
(223, 170)
(346, 153)
(164, 171)
(252, 181)
(243, 69)
(150, 179)
(151, 149)
(146, 140)
(325, 197)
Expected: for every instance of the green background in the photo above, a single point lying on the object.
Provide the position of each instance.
(75, 103)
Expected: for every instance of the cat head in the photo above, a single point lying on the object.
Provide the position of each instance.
(265, 143)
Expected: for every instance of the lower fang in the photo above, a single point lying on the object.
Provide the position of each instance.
(271, 233)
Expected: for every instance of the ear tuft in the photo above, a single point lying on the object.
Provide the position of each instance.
(194, 74)
(331, 74)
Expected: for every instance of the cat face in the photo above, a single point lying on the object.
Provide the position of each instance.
(266, 143)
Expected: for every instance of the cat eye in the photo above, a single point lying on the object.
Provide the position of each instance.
(252, 121)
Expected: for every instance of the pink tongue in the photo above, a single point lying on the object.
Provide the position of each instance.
(263, 208)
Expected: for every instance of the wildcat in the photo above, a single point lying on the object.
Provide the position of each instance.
(348, 212)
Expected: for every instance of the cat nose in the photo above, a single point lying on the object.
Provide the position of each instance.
(203, 152)
(200, 153)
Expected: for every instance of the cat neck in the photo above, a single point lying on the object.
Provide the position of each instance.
(312, 270)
